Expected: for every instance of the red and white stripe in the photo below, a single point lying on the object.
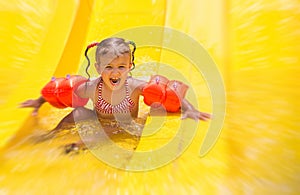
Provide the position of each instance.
(102, 106)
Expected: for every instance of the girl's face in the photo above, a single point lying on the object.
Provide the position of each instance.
(115, 73)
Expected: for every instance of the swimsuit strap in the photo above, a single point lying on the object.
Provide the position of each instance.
(125, 106)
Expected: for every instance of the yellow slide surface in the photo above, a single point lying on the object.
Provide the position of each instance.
(255, 46)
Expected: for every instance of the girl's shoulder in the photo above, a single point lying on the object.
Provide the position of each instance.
(136, 84)
(93, 82)
(87, 89)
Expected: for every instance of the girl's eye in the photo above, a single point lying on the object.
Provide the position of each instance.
(121, 67)
(108, 67)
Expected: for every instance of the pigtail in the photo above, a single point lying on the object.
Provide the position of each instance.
(132, 53)
(87, 57)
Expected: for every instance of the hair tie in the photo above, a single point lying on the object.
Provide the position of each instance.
(92, 45)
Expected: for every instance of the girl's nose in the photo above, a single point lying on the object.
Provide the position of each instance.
(115, 71)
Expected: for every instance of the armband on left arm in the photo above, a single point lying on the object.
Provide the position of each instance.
(160, 91)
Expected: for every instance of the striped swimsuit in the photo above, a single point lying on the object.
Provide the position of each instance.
(102, 106)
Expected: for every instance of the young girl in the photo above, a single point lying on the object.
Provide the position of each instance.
(115, 94)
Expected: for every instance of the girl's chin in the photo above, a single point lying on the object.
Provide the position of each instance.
(115, 86)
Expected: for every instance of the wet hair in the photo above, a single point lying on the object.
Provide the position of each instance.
(109, 49)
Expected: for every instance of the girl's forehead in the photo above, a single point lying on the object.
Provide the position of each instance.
(120, 60)
(108, 59)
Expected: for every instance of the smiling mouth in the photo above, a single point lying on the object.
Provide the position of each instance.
(115, 81)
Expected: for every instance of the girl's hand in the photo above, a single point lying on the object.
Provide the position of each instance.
(190, 112)
(36, 104)
(196, 115)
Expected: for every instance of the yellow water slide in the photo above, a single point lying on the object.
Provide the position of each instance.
(254, 45)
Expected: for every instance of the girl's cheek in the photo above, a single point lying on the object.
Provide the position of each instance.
(105, 71)
(125, 72)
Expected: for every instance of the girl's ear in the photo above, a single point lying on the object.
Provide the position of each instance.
(131, 66)
(97, 66)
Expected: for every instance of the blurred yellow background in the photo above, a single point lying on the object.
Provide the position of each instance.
(255, 45)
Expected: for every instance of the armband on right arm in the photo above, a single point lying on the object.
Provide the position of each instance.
(60, 92)
(160, 91)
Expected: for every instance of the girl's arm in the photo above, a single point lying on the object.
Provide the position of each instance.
(83, 91)
(187, 108)
(86, 90)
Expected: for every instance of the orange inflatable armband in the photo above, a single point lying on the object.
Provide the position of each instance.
(49, 91)
(175, 92)
(162, 92)
(154, 92)
(60, 92)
